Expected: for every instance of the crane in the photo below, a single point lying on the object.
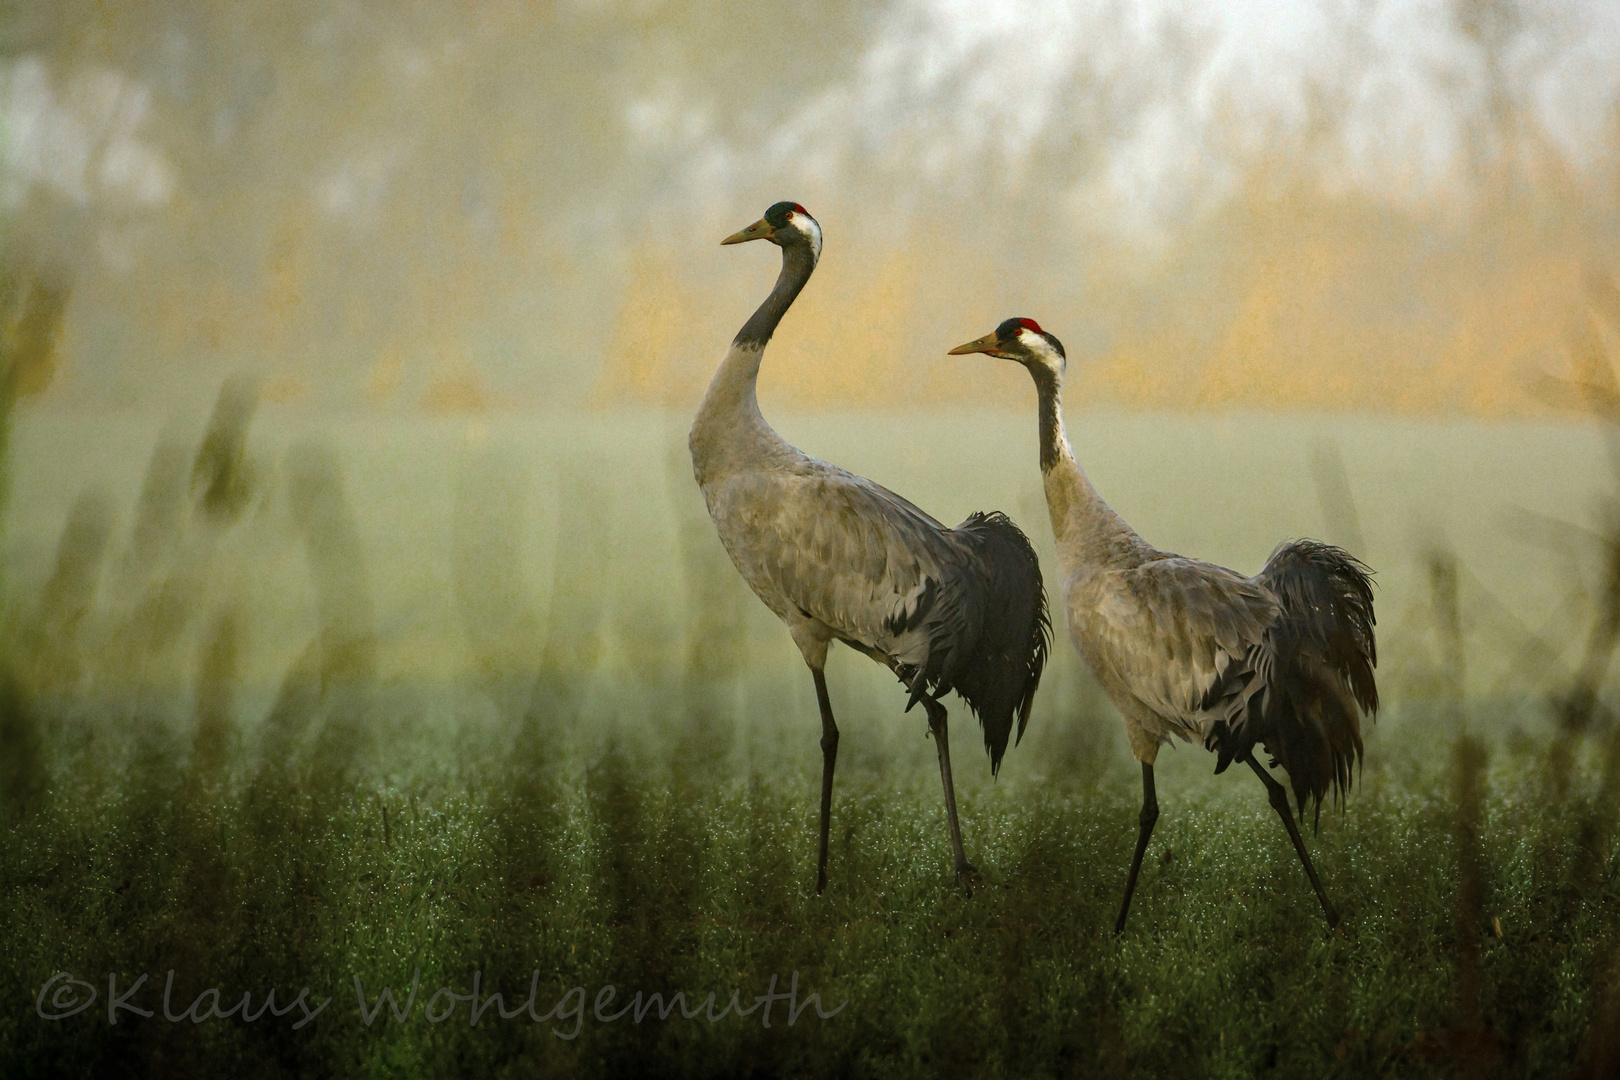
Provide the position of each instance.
(839, 558)
(1182, 647)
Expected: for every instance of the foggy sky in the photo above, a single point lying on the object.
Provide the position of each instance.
(387, 205)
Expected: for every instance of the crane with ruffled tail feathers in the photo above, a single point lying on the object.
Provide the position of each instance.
(1283, 659)
(838, 558)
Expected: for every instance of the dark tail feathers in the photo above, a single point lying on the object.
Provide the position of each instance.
(1000, 674)
(1317, 664)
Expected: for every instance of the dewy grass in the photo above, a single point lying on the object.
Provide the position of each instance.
(597, 799)
(558, 882)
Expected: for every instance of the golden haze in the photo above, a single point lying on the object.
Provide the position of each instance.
(1289, 302)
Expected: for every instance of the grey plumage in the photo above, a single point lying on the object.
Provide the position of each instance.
(1283, 659)
(1186, 648)
(839, 558)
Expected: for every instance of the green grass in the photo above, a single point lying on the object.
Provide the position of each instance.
(617, 868)
(597, 757)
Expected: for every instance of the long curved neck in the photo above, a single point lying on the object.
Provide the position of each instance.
(1087, 531)
(729, 419)
(797, 264)
(1054, 440)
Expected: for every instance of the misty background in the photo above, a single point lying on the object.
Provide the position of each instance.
(359, 614)
(1326, 205)
(375, 328)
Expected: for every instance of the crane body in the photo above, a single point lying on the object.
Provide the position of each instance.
(839, 558)
(1189, 649)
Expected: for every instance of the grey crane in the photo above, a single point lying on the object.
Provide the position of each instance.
(1284, 659)
(838, 558)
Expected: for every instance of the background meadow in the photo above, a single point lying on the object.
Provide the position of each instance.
(361, 617)
(504, 706)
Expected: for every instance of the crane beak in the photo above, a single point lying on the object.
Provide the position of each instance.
(987, 344)
(759, 230)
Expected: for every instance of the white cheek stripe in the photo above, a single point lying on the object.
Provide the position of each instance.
(1038, 345)
(807, 225)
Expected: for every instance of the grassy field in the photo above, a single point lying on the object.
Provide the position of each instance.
(651, 876)
(296, 703)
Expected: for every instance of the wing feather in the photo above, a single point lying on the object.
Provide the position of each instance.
(949, 609)
(871, 554)
(1169, 628)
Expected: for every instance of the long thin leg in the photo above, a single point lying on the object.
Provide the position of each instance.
(937, 723)
(1279, 803)
(1144, 821)
(829, 758)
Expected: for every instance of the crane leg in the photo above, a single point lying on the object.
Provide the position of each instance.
(1145, 821)
(1279, 803)
(939, 725)
(829, 758)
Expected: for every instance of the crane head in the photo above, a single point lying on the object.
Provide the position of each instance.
(785, 224)
(1022, 340)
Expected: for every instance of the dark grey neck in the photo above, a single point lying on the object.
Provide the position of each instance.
(1047, 390)
(797, 264)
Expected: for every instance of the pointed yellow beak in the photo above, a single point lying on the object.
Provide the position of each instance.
(986, 344)
(759, 230)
